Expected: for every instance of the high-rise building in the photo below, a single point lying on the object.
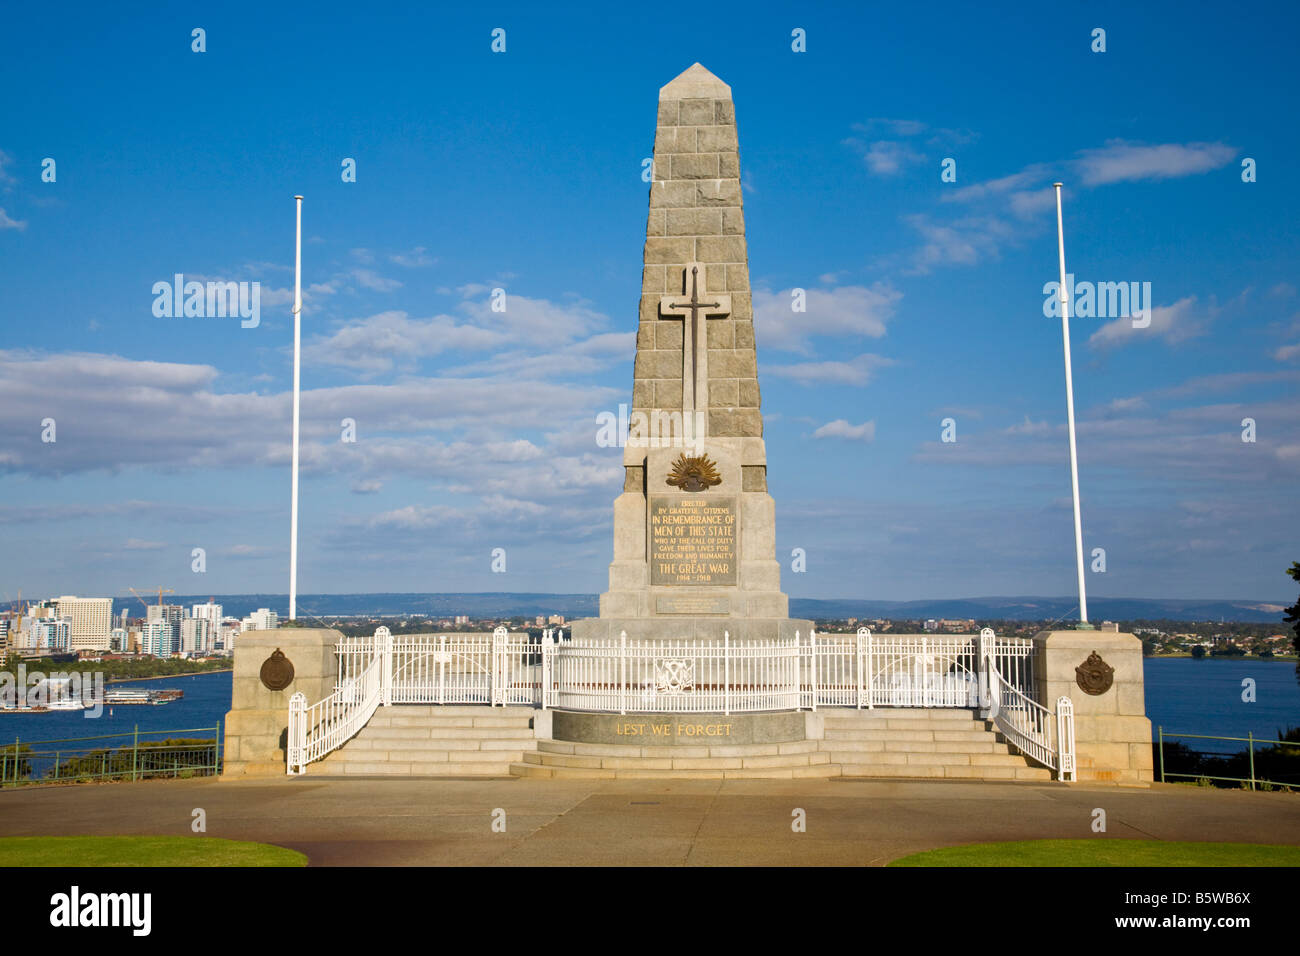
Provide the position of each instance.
(158, 638)
(51, 635)
(90, 619)
(120, 640)
(208, 612)
(230, 628)
(263, 619)
(196, 635)
(171, 613)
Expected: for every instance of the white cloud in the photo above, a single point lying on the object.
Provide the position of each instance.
(466, 426)
(415, 259)
(842, 429)
(370, 279)
(1120, 161)
(537, 332)
(962, 242)
(7, 223)
(857, 371)
(887, 158)
(136, 544)
(844, 311)
(1172, 323)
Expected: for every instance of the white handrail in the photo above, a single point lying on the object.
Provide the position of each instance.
(1029, 725)
(328, 724)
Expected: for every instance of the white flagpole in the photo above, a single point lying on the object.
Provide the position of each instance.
(1069, 410)
(297, 364)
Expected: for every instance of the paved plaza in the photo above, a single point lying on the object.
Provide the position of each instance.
(442, 821)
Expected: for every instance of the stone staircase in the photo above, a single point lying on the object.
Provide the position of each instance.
(914, 742)
(475, 740)
(435, 740)
(564, 759)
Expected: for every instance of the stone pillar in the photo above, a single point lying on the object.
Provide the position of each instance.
(695, 398)
(1112, 732)
(258, 722)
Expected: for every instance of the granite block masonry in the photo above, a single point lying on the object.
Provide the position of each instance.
(258, 721)
(695, 527)
(1112, 731)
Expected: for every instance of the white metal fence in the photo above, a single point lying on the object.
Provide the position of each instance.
(328, 724)
(674, 677)
(865, 670)
(988, 673)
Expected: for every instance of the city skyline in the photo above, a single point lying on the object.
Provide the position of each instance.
(477, 429)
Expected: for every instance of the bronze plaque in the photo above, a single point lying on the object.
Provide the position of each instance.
(692, 541)
(1094, 676)
(277, 671)
(693, 604)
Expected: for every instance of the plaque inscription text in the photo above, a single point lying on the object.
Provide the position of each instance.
(692, 540)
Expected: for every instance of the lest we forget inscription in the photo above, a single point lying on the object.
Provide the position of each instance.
(692, 540)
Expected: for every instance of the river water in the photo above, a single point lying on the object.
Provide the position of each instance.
(1184, 695)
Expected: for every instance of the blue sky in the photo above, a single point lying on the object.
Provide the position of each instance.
(522, 170)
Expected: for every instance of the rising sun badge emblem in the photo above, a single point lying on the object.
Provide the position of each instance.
(694, 474)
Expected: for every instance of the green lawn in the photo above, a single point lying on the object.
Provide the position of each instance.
(142, 851)
(1105, 852)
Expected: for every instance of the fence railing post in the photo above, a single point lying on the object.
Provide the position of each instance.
(297, 733)
(1065, 763)
(860, 665)
(871, 671)
(1160, 736)
(622, 672)
(812, 648)
(135, 751)
(726, 673)
(548, 650)
(1250, 738)
(497, 691)
(442, 662)
(383, 650)
(985, 650)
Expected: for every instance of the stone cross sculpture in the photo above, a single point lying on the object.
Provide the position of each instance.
(695, 528)
(695, 345)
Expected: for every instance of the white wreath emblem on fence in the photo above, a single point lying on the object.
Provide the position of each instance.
(674, 677)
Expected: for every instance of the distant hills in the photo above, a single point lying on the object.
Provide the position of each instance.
(505, 604)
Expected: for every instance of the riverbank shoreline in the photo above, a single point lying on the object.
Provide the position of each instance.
(132, 680)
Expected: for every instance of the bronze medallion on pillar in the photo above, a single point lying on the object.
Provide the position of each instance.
(277, 671)
(1094, 676)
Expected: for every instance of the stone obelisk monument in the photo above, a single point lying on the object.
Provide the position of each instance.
(694, 529)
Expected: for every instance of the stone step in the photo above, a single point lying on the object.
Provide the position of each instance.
(543, 759)
(750, 773)
(933, 759)
(986, 745)
(885, 713)
(390, 768)
(444, 733)
(908, 723)
(415, 720)
(454, 710)
(1022, 772)
(713, 750)
(440, 743)
(887, 733)
(347, 755)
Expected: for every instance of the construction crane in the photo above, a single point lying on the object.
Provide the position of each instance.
(161, 592)
(16, 626)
